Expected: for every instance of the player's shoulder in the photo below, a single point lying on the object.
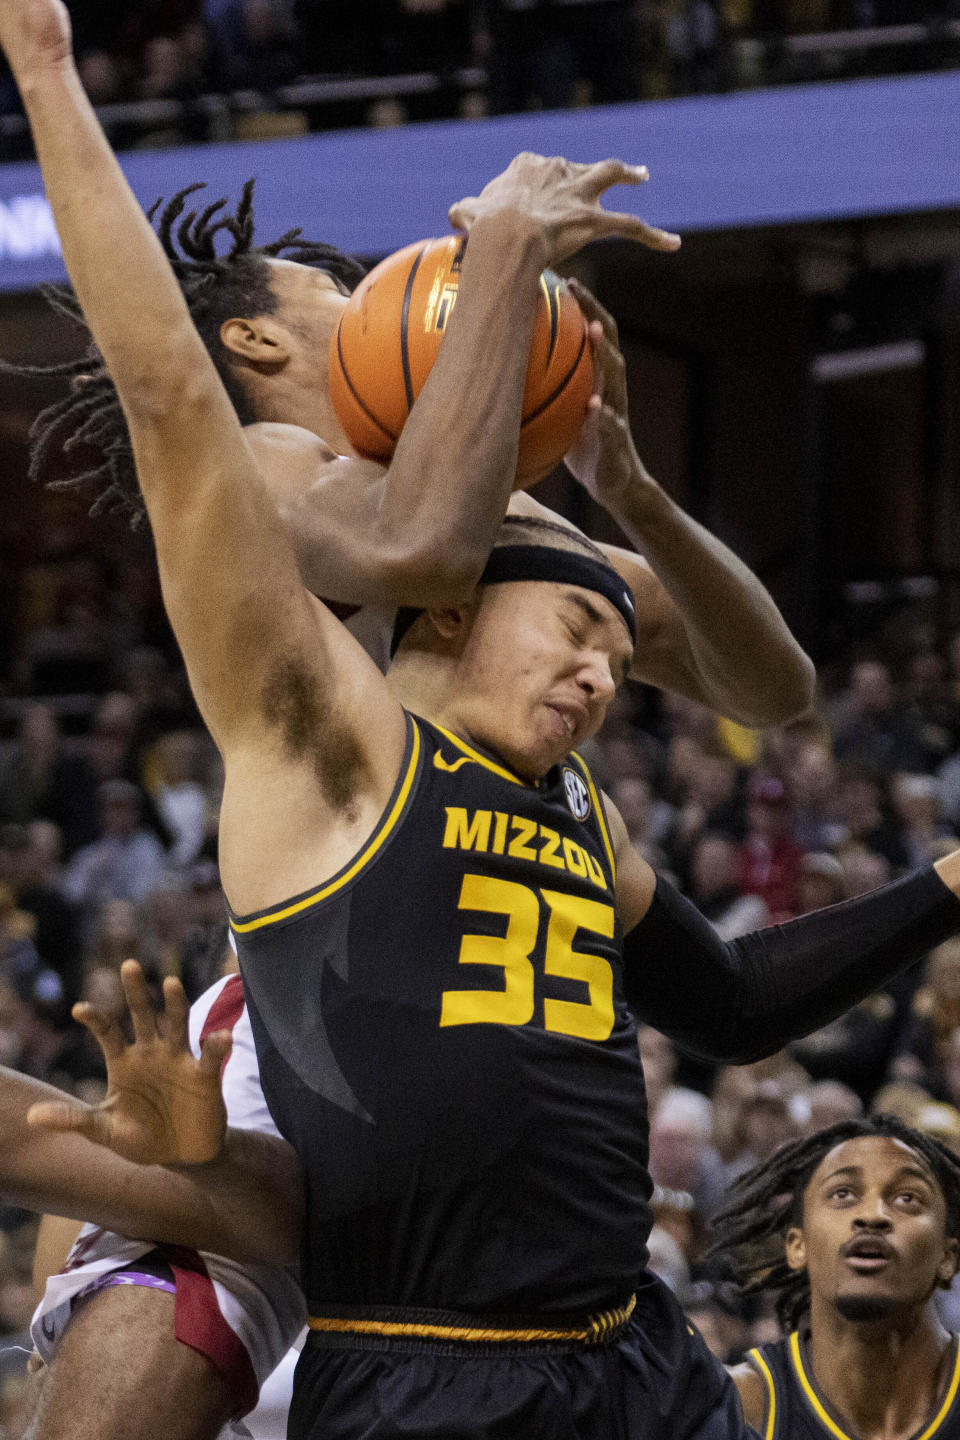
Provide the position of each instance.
(275, 436)
(753, 1391)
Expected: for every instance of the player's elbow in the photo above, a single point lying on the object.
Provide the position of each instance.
(796, 690)
(436, 574)
(787, 693)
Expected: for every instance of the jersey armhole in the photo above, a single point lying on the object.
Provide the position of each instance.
(760, 1367)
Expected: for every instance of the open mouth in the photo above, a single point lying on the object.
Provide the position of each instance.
(866, 1254)
(568, 717)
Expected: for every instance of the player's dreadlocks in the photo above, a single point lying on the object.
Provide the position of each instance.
(766, 1201)
(88, 426)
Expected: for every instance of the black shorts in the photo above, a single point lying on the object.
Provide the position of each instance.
(658, 1381)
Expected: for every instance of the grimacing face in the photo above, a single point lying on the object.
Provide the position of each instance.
(873, 1234)
(540, 666)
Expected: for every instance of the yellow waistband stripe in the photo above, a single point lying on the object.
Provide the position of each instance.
(594, 1331)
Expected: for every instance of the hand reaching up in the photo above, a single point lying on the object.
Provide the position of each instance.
(163, 1106)
(563, 197)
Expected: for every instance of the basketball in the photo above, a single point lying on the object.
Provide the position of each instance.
(391, 330)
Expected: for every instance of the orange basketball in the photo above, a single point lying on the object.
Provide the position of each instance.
(389, 335)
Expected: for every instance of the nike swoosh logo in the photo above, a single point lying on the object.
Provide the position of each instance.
(451, 766)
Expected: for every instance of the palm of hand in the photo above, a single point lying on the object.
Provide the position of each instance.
(163, 1105)
(161, 1108)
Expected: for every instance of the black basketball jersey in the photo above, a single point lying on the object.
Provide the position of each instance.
(443, 1037)
(795, 1409)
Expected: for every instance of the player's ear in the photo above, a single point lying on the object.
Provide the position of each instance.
(949, 1264)
(795, 1250)
(261, 340)
(453, 621)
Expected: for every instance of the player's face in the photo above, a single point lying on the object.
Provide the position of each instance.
(310, 302)
(540, 667)
(873, 1237)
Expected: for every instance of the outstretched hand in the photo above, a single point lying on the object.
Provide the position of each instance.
(604, 459)
(563, 197)
(163, 1106)
(34, 34)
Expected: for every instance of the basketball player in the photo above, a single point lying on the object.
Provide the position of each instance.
(421, 531)
(326, 771)
(865, 1218)
(749, 666)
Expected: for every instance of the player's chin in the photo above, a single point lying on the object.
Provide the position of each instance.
(867, 1303)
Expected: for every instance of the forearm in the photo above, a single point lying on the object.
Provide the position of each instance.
(246, 1205)
(104, 233)
(744, 999)
(743, 658)
(447, 486)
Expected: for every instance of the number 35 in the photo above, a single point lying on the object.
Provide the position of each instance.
(514, 1004)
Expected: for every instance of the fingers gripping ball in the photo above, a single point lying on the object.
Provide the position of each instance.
(390, 333)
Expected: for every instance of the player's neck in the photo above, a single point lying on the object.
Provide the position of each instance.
(283, 401)
(883, 1380)
(421, 683)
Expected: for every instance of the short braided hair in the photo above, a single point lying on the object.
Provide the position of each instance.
(767, 1200)
(87, 427)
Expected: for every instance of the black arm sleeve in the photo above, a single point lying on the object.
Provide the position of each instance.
(738, 1001)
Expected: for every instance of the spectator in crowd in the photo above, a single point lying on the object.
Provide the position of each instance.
(820, 881)
(923, 1048)
(206, 953)
(541, 52)
(179, 797)
(869, 727)
(125, 863)
(659, 1066)
(715, 889)
(30, 866)
(770, 859)
(865, 813)
(916, 803)
(254, 44)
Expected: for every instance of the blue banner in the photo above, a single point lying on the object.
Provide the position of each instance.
(717, 162)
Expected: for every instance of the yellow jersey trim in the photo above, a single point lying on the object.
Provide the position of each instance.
(767, 1377)
(242, 927)
(594, 1331)
(949, 1398)
(601, 815)
(474, 755)
(941, 1415)
(809, 1391)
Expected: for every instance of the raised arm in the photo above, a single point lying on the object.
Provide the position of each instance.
(302, 717)
(706, 627)
(420, 531)
(740, 1000)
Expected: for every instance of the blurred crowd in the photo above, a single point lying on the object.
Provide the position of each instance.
(487, 56)
(109, 796)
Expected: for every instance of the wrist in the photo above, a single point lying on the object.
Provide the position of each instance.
(634, 497)
(515, 236)
(45, 74)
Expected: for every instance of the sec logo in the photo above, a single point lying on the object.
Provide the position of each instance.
(578, 796)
